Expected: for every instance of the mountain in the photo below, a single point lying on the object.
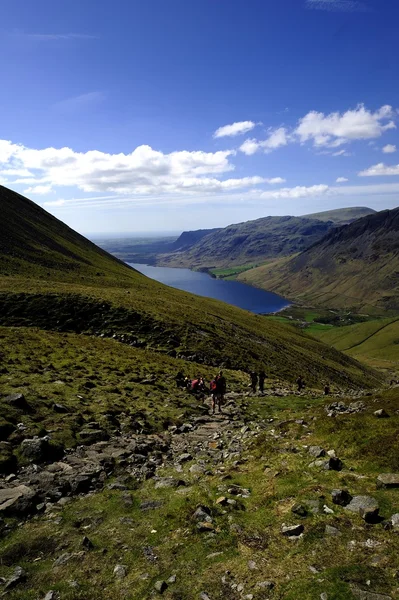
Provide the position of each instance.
(188, 238)
(354, 266)
(342, 216)
(53, 278)
(255, 241)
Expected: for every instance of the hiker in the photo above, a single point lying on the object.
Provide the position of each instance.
(254, 381)
(300, 383)
(327, 389)
(197, 385)
(180, 380)
(262, 377)
(218, 387)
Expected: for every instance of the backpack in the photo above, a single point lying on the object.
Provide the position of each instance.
(213, 385)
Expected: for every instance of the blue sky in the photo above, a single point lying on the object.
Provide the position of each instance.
(161, 115)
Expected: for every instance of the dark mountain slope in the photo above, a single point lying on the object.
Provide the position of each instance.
(354, 266)
(53, 278)
(254, 241)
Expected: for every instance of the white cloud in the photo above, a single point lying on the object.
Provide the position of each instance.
(336, 129)
(54, 203)
(389, 149)
(296, 192)
(337, 5)
(40, 190)
(276, 180)
(142, 172)
(340, 153)
(79, 102)
(234, 129)
(380, 170)
(342, 180)
(277, 138)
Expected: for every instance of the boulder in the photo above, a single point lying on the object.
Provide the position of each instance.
(160, 586)
(334, 464)
(17, 501)
(332, 531)
(202, 513)
(365, 506)
(341, 497)
(60, 408)
(360, 594)
(36, 449)
(169, 482)
(381, 414)
(120, 571)
(18, 401)
(316, 451)
(300, 510)
(184, 458)
(19, 576)
(388, 480)
(92, 436)
(292, 530)
(395, 521)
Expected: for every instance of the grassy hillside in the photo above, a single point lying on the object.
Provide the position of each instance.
(249, 469)
(255, 241)
(375, 342)
(342, 216)
(53, 278)
(355, 266)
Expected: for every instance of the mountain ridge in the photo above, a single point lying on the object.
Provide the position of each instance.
(254, 241)
(353, 266)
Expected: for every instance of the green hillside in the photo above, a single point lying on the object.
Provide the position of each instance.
(255, 241)
(342, 216)
(375, 342)
(53, 278)
(355, 266)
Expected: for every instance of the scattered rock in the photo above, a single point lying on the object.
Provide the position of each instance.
(317, 451)
(35, 449)
(151, 504)
(205, 526)
(171, 580)
(366, 595)
(395, 521)
(60, 408)
(63, 559)
(388, 480)
(160, 586)
(17, 501)
(51, 595)
(222, 501)
(265, 585)
(202, 513)
(87, 543)
(365, 506)
(120, 571)
(332, 531)
(292, 530)
(334, 464)
(169, 482)
(184, 458)
(381, 414)
(341, 497)
(204, 596)
(300, 510)
(18, 401)
(19, 576)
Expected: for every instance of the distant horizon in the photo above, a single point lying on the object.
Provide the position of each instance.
(176, 233)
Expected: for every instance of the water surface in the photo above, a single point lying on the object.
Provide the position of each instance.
(233, 292)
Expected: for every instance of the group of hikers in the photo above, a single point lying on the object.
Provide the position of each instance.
(217, 386)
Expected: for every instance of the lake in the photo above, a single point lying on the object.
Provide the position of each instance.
(233, 292)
